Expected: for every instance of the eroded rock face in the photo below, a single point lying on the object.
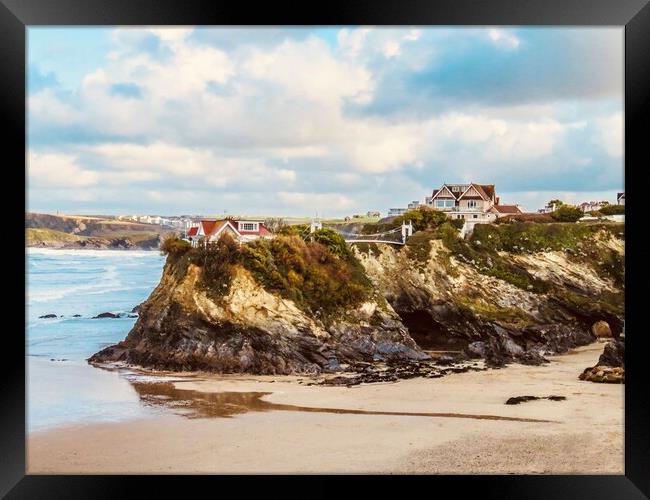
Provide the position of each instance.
(613, 354)
(439, 303)
(181, 327)
(459, 308)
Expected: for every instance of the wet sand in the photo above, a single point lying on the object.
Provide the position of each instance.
(452, 425)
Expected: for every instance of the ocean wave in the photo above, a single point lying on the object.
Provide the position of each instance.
(54, 252)
(109, 279)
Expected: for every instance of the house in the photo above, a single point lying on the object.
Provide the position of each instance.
(620, 198)
(373, 213)
(392, 212)
(589, 206)
(472, 201)
(240, 230)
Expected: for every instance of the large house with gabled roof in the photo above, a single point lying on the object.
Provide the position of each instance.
(473, 202)
(240, 230)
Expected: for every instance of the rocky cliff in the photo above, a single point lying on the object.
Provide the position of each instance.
(188, 323)
(538, 297)
(504, 295)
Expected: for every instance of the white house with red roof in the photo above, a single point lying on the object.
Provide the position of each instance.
(240, 230)
(472, 202)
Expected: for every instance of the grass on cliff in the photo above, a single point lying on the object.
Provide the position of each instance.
(576, 240)
(321, 276)
(35, 236)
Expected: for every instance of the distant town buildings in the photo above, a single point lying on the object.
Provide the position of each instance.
(620, 198)
(373, 213)
(173, 222)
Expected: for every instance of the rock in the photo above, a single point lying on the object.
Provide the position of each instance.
(136, 309)
(48, 316)
(250, 330)
(613, 354)
(601, 329)
(604, 374)
(522, 399)
(76, 315)
(106, 315)
(611, 364)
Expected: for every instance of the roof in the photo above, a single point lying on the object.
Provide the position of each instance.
(507, 209)
(620, 195)
(485, 190)
(192, 231)
(208, 226)
(488, 189)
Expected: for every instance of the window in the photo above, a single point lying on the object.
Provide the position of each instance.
(475, 216)
(445, 203)
(248, 226)
(471, 204)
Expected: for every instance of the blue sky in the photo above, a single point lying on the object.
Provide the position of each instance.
(333, 121)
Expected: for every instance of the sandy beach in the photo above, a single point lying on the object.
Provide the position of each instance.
(582, 434)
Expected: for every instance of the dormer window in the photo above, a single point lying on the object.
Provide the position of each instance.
(249, 226)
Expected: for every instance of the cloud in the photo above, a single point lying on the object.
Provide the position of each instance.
(51, 170)
(503, 38)
(282, 119)
(611, 134)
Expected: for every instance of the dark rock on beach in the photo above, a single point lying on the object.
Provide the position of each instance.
(610, 368)
(48, 316)
(106, 315)
(522, 399)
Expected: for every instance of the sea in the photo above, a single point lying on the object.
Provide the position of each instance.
(76, 285)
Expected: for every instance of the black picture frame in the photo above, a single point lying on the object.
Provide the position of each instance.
(17, 15)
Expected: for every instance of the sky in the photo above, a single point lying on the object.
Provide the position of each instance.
(327, 121)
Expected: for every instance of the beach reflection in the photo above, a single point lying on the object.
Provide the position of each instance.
(197, 404)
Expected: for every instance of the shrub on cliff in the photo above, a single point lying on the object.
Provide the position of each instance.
(485, 258)
(422, 218)
(294, 229)
(333, 241)
(308, 273)
(613, 210)
(174, 246)
(217, 260)
(567, 213)
(539, 218)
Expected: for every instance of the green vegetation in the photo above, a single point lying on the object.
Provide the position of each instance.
(35, 236)
(567, 213)
(539, 218)
(174, 246)
(493, 312)
(527, 237)
(217, 261)
(333, 241)
(612, 210)
(419, 246)
(486, 259)
(487, 240)
(294, 229)
(422, 218)
(322, 277)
